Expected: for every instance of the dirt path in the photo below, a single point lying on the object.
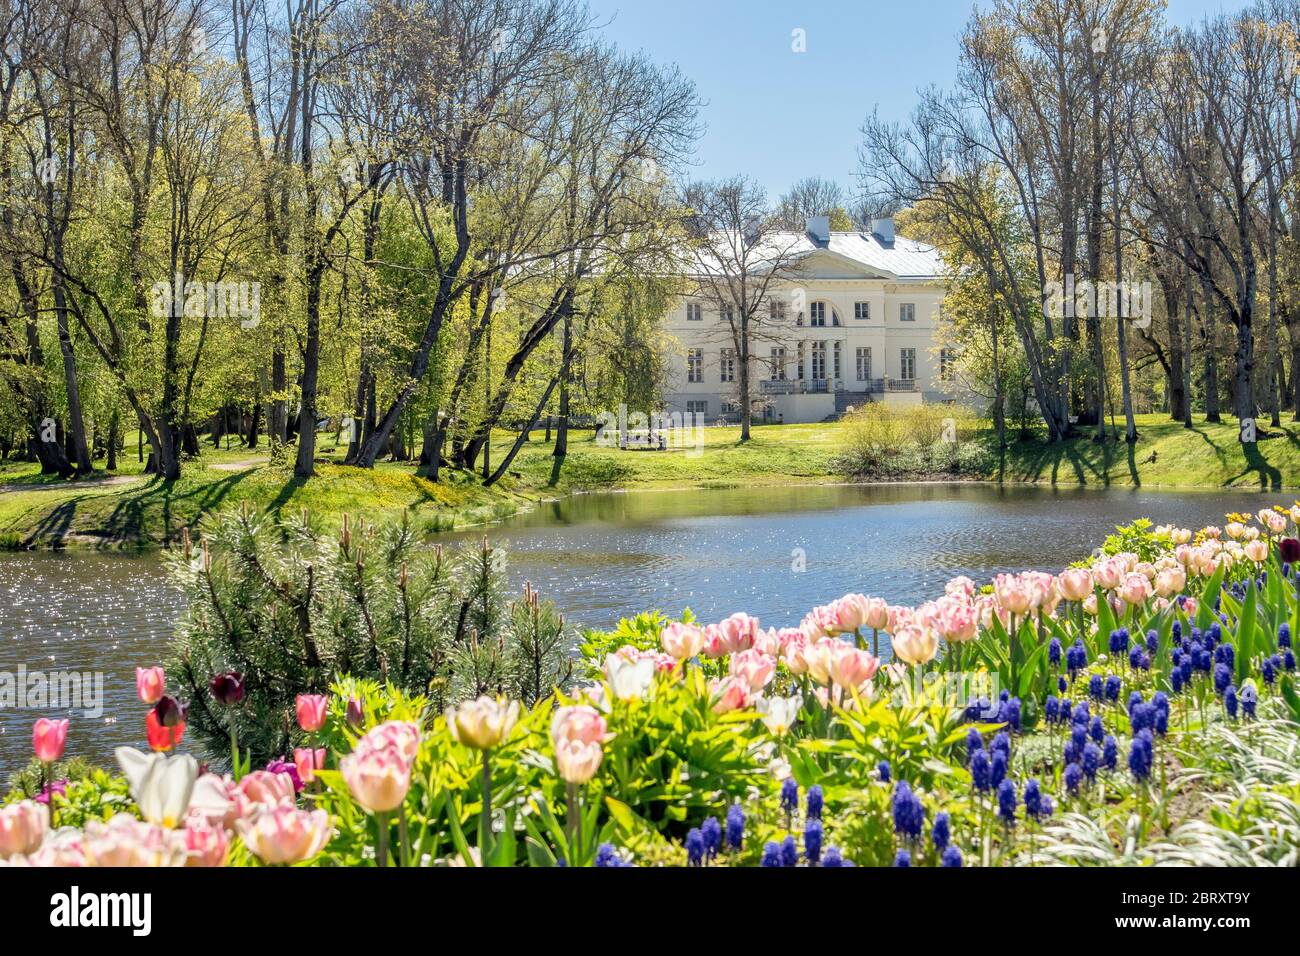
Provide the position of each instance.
(239, 465)
(88, 483)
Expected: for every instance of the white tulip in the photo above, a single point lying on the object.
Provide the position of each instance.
(629, 680)
(160, 785)
(780, 713)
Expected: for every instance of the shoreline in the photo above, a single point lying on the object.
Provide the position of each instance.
(522, 503)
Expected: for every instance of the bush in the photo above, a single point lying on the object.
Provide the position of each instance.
(889, 441)
(293, 611)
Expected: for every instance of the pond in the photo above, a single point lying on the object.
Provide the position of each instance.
(773, 552)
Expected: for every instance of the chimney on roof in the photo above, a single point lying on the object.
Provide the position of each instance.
(883, 229)
(819, 227)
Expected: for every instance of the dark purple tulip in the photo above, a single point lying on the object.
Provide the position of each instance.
(1289, 548)
(356, 713)
(227, 688)
(169, 711)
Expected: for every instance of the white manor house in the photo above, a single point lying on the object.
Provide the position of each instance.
(857, 325)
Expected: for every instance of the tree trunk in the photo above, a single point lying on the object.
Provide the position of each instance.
(562, 427)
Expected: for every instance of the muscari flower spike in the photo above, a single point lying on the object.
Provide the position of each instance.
(942, 832)
(1007, 802)
(789, 795)
(694, 847)
(711, 829)
(951, 858)
(1112, 689)
(735, 826)
(909, 815)
(771, 855)
(815, 802)
(882, 768)
(812, 840)
(1110, 752)
(903, 859)
(1033, 799)
(789, 852)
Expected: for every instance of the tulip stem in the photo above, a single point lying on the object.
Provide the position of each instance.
(574, 815)
(485, 816)
(404, 836)
(381, 853)
(234, 752)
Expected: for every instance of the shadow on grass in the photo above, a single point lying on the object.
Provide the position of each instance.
(1270, 478)
(130, 519)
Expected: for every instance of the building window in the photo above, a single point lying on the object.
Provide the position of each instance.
(776, 310)
(731, 408)
(778, 365)
(837, 359)
(817, 314)
(694, 312)
(907, 363)
(697, 407)
(727, 313)
(695, 365)
(818, 361)
(862, 311)
(800, 365)
(946, 358)
(728, 365)
(864, 365)
(907, 312)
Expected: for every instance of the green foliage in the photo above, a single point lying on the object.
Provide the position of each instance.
(1138, 538)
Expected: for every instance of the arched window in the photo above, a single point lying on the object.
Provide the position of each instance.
(818, 313)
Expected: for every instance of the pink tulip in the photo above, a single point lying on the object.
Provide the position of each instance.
(728, 694)
(48, 738)
(206, 845)
(1013, 593)
(22, 827)
(960, 587)
(285, 834)
(851, 668)
(401, 735)
(578, 722)
(150, 684)
(1170, 581)
(308, 761)
(682, 641)
(1135, 589)
(1075, 584)
(378, 778)
(311, 711)
(915, 645)
(1257, 551)
(126, 841)
(753, 667)
(738, 632)
(577, 762)
(262, 788)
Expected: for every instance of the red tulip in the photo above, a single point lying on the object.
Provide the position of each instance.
(162, 737)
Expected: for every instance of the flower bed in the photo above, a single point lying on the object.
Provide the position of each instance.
(1138, 708)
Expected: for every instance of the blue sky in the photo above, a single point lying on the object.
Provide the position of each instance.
(778, 116)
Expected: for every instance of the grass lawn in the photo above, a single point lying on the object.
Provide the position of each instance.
(132, 509)
(1166, 455)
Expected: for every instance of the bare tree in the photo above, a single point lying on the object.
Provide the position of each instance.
(740, 260)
